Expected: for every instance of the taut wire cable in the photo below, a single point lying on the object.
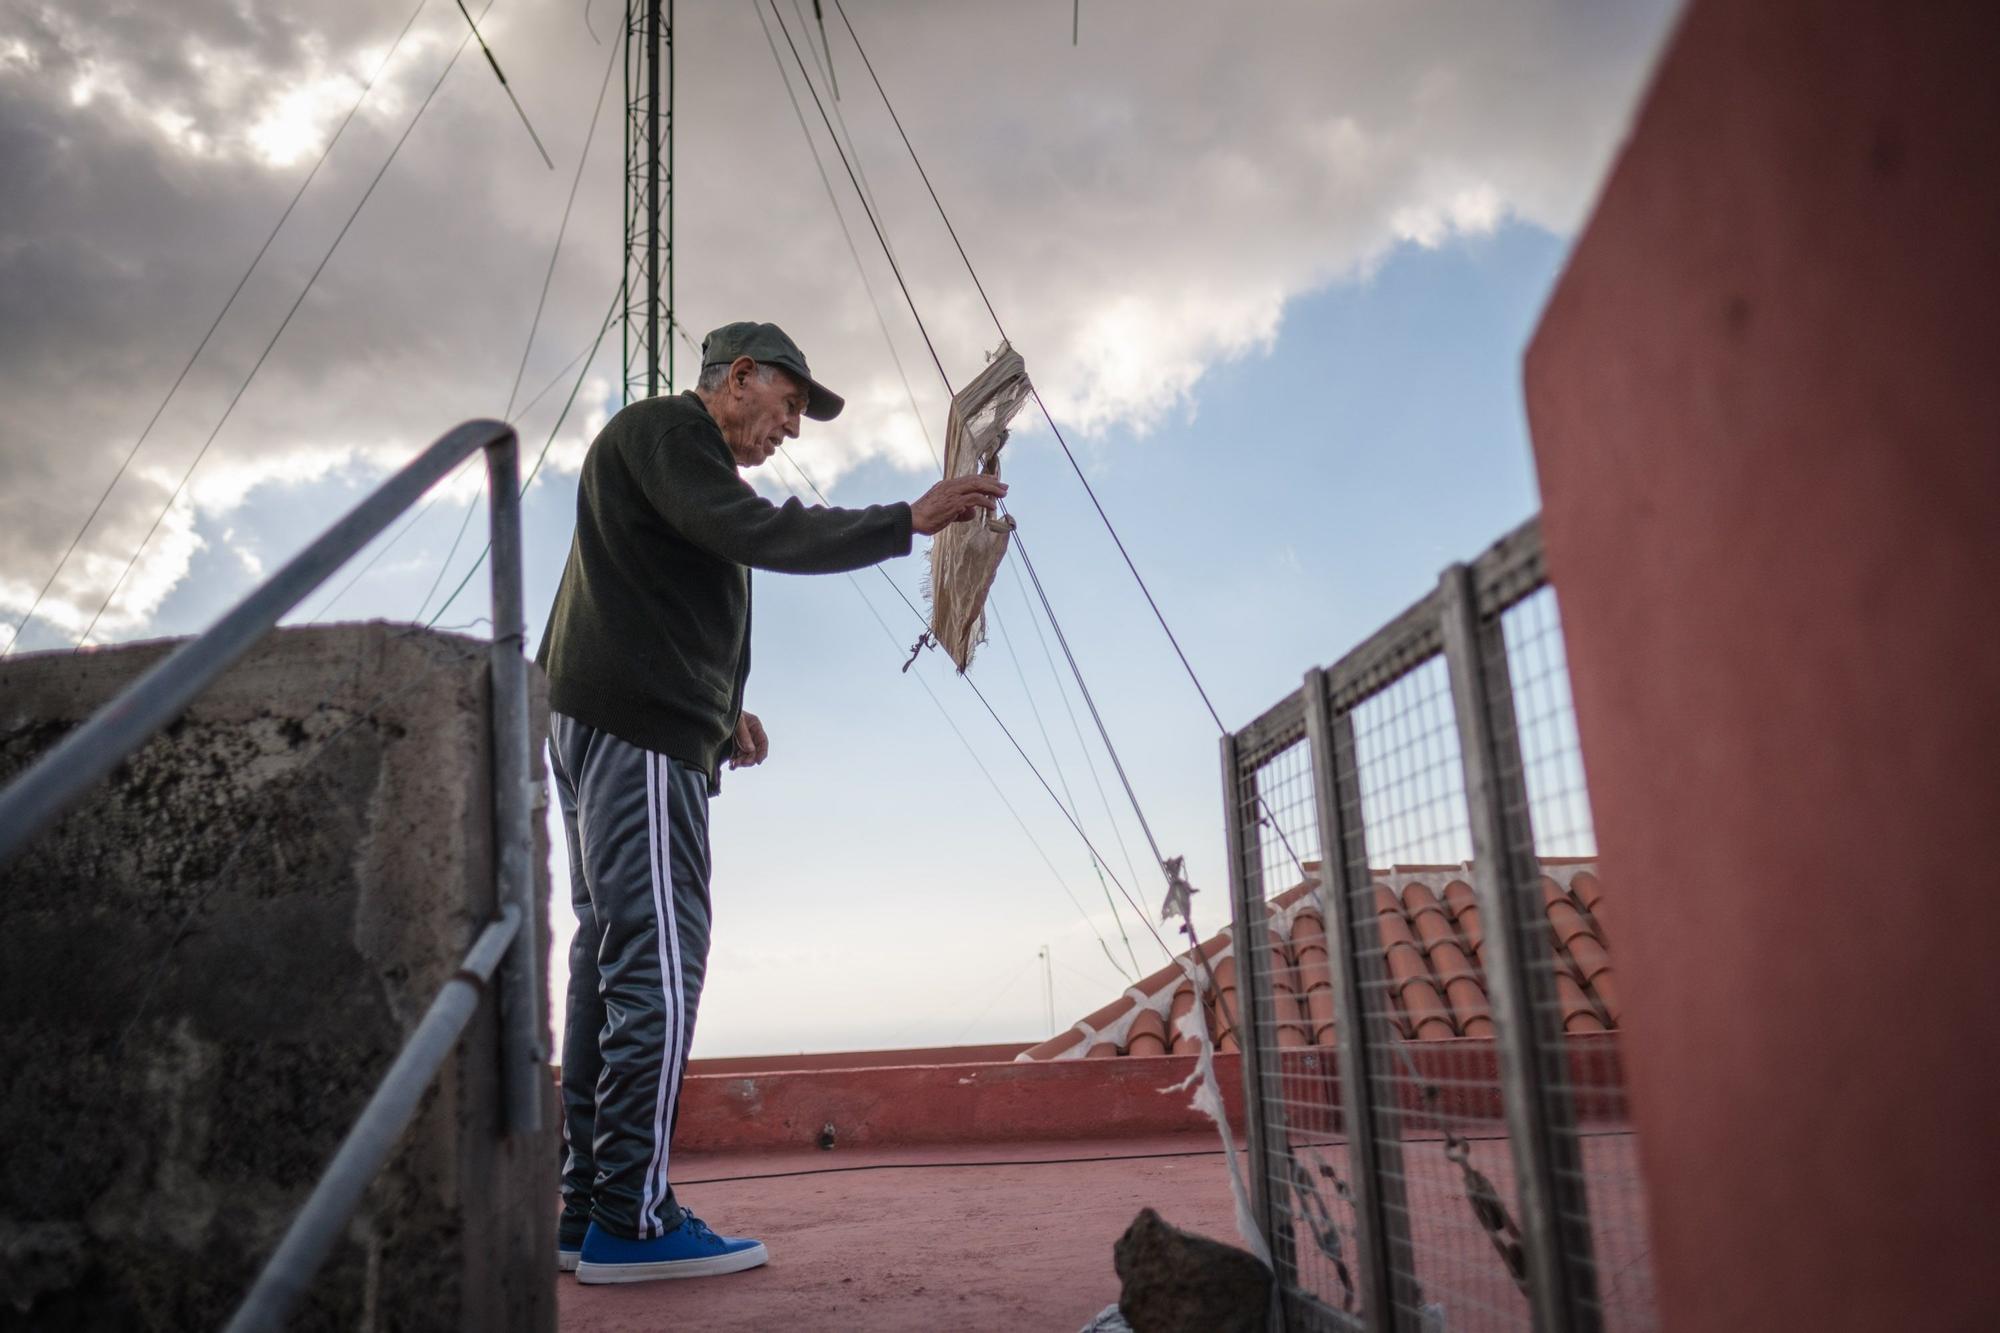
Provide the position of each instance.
(973, 685)
(506, 87)
(283, 324)
(854, 251)
(1176, 888)
(541, 457)
(1034, 710)
(227, 305)
(972, 752)
(861, 185)
(535, 324)
(1152, 603)
(866, 208)
(1075, 728)
(1047, 416)
(432, 503)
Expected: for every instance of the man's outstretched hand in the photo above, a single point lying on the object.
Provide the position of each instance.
(954, 501)
(753, 747)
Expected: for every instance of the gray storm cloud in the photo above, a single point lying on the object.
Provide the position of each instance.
(1141, 208)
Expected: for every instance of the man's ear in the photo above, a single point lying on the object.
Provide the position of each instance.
(740, 371)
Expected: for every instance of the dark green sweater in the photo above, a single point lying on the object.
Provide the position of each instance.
(649, 638)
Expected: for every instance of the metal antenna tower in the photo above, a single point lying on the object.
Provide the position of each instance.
(647, 301)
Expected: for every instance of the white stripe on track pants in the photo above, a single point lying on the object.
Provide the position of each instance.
(637, 827)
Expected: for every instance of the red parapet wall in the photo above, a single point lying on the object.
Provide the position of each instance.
(976, 1103)
(881, 1106)
(909, 1055)
(1766, 417)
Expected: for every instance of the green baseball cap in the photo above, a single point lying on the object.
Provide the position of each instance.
(770, 345)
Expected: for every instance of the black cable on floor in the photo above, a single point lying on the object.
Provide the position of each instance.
(945, 1166)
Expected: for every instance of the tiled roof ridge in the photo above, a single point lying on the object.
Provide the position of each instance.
(1113, 1024)
(1151, 994)
(1281, 911)
(1433, 943)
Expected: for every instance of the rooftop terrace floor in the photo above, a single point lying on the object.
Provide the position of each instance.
(882, 1242)
(1019, 1235)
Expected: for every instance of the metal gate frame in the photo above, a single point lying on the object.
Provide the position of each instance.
(1460, 619)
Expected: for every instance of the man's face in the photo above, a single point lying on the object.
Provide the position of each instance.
(763, 412)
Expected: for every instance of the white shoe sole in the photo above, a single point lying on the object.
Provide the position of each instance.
(567, 1260)
(710, 1267)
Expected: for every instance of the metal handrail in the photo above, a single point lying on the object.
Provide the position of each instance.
(314, 1231)
(62, 776)
(40, 795)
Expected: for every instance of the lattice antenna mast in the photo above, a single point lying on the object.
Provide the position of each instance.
(648, 292)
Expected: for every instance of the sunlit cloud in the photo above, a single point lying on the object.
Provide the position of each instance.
(1141, 211)
(298, 121)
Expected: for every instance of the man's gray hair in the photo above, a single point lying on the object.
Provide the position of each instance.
(713, 377)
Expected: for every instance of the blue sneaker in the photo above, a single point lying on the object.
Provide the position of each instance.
(569, 1246)
(689, 1250)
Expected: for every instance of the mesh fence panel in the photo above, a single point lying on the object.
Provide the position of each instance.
(1437, 1068)
(1556, 845)
(1417, 1163)
(1304, 1163)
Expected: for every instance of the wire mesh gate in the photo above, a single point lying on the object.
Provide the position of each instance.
(1437, 1125)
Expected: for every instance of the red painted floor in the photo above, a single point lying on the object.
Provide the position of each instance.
(1006, 1245)
(1017, 1246)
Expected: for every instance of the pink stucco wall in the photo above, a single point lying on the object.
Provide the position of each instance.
(1765, 401)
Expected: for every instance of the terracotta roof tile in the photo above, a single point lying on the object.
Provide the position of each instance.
(1433, 945)
(1148, 1035)
(1424, 1012)
(1605, 987)
(1288, 1014)
(1109, 1014)
(1465, 915)
(1315, 975)
(1222, 1020)
(1593, 968)
(1587, 890)
(1178, 1042)
(1448, 960)
(1578, 1015)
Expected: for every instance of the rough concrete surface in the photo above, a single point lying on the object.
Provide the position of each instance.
(206, 968)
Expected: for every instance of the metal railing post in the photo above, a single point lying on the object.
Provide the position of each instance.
(524, 1057)
(1374, 1150)
(1559, 1279)
(1246, 914)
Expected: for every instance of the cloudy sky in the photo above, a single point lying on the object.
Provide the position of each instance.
(1272, 266)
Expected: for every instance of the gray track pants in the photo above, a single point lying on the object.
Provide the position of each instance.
(637, 827)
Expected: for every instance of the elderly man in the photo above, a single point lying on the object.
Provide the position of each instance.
(647, 651)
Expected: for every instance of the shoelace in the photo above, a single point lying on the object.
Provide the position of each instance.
(699, 1229)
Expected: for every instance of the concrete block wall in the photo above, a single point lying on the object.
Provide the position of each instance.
(206, 969)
